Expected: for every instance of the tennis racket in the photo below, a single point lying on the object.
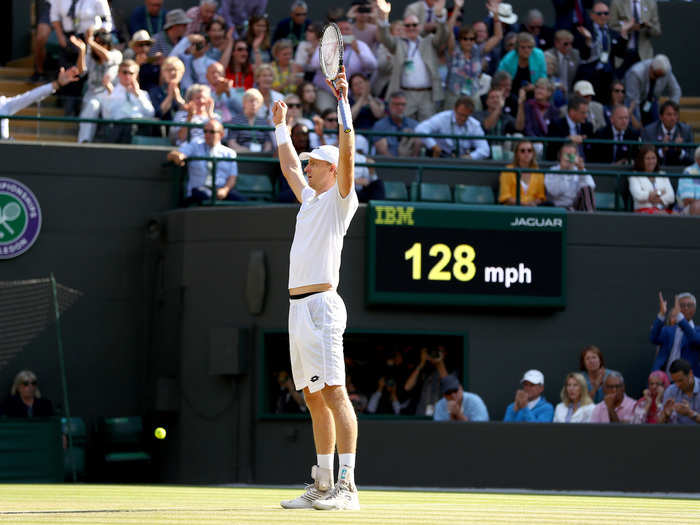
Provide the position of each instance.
(330, 56)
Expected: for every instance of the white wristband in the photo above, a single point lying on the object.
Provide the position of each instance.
(281, 134)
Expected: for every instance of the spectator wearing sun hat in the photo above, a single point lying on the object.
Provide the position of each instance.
(530, 405)
(174, 29)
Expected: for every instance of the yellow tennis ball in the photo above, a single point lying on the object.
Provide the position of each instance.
(160, 433)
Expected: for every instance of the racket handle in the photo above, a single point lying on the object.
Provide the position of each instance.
(343, 116)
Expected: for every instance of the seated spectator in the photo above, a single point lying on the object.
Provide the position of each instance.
(458, 405)
(264, 77)
(250, 140)
(289, 400)
(294, 112)
(385, 399)
(616, 97)
(531, 189)
(323, 129)
(258, 40)
(646, 82)
(25, 398)
(149, 67)
(669, 130)
(571, 190)
(574, 126)
(682, 399)
(457, 121)
(617, 406)
(167, 97)
(198, 109)
(366, 110)
(536, 114)
(287, 74)
(201, 16)
(306, 49)
(294, 26)
(619, 130)
(649, 407)
(150, 16)
(239, 69)
(534, 24)
(396, 121)
(358, 399)
(526, 63)
(495, 122)
(219, 37)
(565, 59)
(596, 113)
(593, 370)
(368, 185)
(102, 63)
(228, 102)
(192, 50)
(299, 135)
(680, 339)
(529, 405)
(307, 92)
(423, 384)
(174, 29)
(576, 405)
(503, 82)
(651, 194)
(689, 189)
(199, 179)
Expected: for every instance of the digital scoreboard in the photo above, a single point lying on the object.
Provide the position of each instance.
(450, 254)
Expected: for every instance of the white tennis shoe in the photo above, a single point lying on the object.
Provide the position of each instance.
(320, 489)
(343, 497)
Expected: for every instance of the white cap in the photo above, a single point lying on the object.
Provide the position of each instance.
(584, 87)
(326, 152)
(533, 376)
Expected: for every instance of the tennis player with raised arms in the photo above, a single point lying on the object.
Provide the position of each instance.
(317, 314)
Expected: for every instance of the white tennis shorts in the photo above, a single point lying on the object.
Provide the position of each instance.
(316, 326)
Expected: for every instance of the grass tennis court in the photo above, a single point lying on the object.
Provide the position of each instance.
(134, 504)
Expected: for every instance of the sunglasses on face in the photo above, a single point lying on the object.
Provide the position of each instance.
(210, 131)
(27, 383)
(241, 49)
(602, 13)
(525, 150)
(331, 119)
(566, 44)
(450, 391)
(618, 90)
(293, 105)
(470, 38)
(410, 25)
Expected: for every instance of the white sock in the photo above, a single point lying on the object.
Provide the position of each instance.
(346, 459)
(325, 461)
(346, 469)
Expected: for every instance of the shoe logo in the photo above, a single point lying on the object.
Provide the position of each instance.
(314, 379)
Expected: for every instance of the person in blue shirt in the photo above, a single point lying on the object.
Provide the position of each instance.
(529, 405)
(150, 16)
(396, 121)
(458, 405)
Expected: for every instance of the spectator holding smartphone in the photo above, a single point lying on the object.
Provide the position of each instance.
(572, 189)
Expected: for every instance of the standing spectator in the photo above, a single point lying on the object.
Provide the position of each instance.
(366, 110)
(293, 27)
(617, 406)
(689, 189)
(101, 64)
(619, 129)
(531, 188)
(306, 50)
(415, 61)
(167, 97)
(362, 15)
(385, 399)
(264, 77)
(649, 407)
(150, 16)
(536, 114)
(307, 92)
(199, 181)
(426, 11)
(574, 126)
(254, 141)
(534, 24)
(681, 338)
(25, 398)
(173, 30)
(258, 39)
(287, 74)
(565, 58)
(651, 194)
(593, 370)
(571, 190)
(572, 15)
(239, 69)
(682, 398)
(645, 82)
(382, 76)
(463, 68)
(529, 405)
(576, 405)
(457, 121)
(669, 130)
(639, 18)
(201, 16)
(227, 101)
(616, 96)
(42, 12)
(526, 63)
(237, 13)
(220, 39)
(423, 384)
(458, 405)
(396, 121)
(198, 109)
(192, 50)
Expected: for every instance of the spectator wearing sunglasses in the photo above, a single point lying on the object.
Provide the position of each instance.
(294, 114)
(25, 398)
(534, 24)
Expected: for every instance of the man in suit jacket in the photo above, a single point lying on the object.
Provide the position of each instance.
(573, 125)
(645, 82)
(534, 24)
(618, 129)
(641, 19)
(679, 340)
(570, 15)
(415, 62)
(565, 58)
(669, 129)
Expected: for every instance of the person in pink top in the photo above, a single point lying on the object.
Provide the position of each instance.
(616, 407)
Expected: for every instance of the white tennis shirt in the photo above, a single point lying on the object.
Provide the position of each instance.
(318, 239)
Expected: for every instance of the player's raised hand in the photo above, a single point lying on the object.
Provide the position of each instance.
(339, 84)
(279, 113)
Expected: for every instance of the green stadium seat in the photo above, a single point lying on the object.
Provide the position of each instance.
(122, 447)
(144, 140)
(465, 194)
(75, 455)
(430, 192)
(606, 201)
(395, 191)
(255, 187)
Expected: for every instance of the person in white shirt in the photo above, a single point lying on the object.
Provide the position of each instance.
(576, 405)
(651, 194)
(317, 315)
(573, 191)
(457, 121)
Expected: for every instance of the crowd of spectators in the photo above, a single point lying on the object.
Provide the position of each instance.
(435, 69)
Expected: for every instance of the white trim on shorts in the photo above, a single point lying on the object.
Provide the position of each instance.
(316, 326)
